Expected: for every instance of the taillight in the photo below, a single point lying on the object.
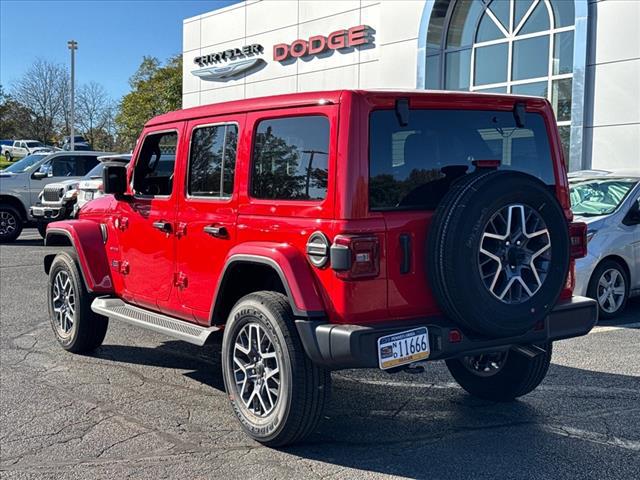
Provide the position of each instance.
(355, 257)
(578, 238)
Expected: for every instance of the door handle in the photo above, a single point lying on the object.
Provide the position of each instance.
(163, 226)
(219, 232)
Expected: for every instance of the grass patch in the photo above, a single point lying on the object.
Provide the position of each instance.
(4, 163)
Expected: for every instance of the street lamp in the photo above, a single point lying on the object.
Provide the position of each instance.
(73, 46)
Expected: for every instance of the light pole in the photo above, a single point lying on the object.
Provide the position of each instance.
(73, 46)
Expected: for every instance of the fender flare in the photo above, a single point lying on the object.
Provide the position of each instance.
(290, 265)
(86, 238)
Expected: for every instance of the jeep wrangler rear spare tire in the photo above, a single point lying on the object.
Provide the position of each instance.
(276, 392)
(498, 252)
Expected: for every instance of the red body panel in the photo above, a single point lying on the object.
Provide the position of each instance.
(86, 237)
(275, 231)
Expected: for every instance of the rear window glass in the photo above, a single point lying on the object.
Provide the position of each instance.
(290, 158)
(412, 167)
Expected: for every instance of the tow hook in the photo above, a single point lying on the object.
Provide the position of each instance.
(529, 351)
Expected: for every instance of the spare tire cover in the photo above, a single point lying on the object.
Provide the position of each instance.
(498, 252)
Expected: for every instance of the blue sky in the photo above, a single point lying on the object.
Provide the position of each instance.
(112, 36)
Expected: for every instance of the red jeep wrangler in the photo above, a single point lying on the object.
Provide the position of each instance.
(331, 230)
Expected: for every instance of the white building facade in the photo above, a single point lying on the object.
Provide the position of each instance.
(583, 55)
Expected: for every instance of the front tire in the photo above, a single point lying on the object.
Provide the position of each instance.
(501, 377)
(42, 229)
(10, 224)
(609, 286)
(76, 327)
(275, 390)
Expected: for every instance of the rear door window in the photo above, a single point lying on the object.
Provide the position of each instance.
(290, 158)
(413, 167)
(212, 161)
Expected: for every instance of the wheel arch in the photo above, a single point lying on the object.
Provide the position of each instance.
(616, 258)
(85, 237)
(15, 203)
(274, 267)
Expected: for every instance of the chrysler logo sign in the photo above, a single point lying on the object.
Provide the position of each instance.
(222, 66)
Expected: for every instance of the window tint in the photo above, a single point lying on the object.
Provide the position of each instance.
(290, 158)
(212, 161)
(153, 173)
(414, 166)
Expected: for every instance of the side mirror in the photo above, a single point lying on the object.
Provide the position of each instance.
(633, 215)
(114, 178)
(39, 175)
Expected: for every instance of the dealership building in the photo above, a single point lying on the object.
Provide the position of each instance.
(582, 55)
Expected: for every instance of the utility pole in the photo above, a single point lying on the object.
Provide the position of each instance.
(73, 46)
(310, 168)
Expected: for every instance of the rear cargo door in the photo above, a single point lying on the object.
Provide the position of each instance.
(412, 167)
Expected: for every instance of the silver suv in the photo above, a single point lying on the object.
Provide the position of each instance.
(22, 182)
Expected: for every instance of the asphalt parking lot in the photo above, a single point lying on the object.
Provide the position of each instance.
(144, 406)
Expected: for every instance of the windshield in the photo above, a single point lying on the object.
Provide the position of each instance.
(95, 172)
(34, 144)
(25, 164)
(599, 196)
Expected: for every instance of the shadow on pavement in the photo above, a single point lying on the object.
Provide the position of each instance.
(428, 428)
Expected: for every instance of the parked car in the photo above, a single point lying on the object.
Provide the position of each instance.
(331, 230)
(3, 144)
(22, 182)
(22, 148)
(609, 202)
(91, 185)
(57, 201)
(79, 144)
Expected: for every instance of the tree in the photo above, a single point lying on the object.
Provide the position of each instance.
(155, 89)
(41, 91)
(92, 105)
(15, 119)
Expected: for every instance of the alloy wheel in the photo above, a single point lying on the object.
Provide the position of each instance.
(485, 365)
(256, 369)
(515, 254)
(611, 290)
(8, 223)
(64, 303)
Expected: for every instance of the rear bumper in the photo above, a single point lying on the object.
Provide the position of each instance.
(339, 346)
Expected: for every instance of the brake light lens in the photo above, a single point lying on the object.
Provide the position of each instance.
(578, 238)
(355, 257)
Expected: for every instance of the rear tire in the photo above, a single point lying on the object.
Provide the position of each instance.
(76, 327)
(10, 224)
(515, 377)
(263, 359)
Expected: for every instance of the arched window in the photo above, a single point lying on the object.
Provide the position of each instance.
(504, 46)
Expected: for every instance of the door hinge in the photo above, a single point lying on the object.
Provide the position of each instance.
(121, 223)
(180, 280)
(124, 268)
(181, 229)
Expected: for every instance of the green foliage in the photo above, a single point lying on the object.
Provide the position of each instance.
(155, 89)
(15, 118)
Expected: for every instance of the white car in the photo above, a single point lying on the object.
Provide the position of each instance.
(90, 186)
(609, 202)
(22, 148)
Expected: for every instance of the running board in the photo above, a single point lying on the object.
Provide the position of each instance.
(117, 309)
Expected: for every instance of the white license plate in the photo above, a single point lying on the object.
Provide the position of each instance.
(403, 347)
(88, 195)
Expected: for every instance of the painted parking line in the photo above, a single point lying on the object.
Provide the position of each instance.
(602, 329)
